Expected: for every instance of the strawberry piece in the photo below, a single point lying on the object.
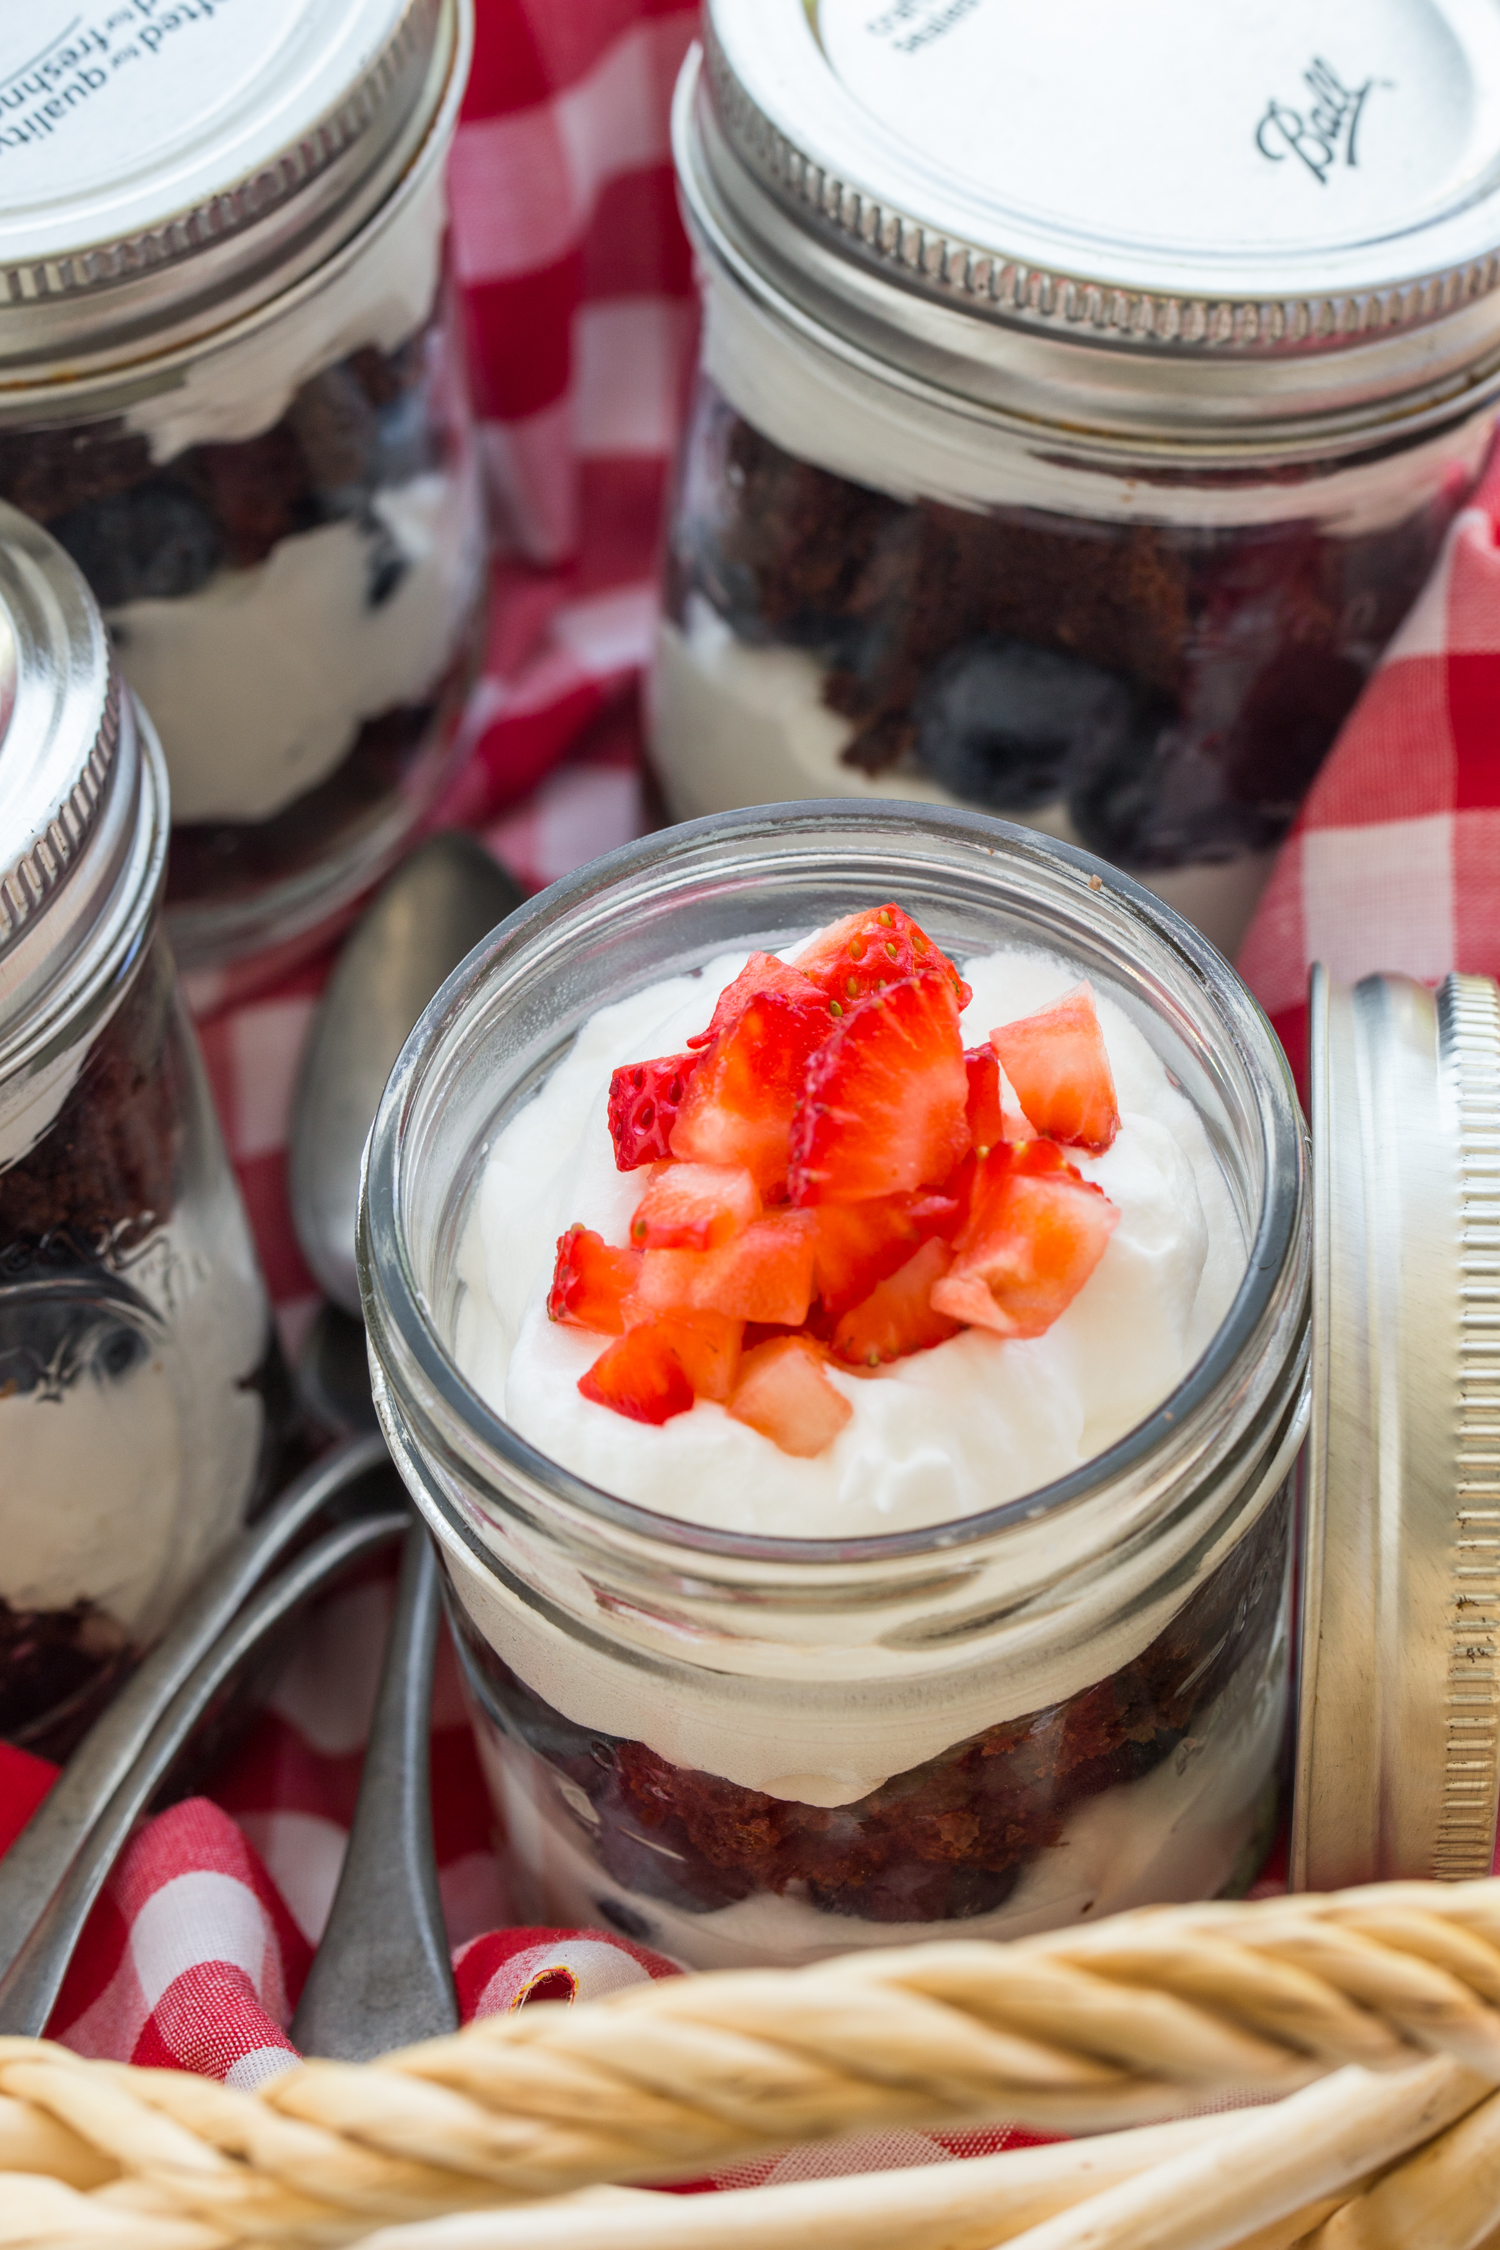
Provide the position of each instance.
(640, 1376)
(858, 1244)
(644, 1099)
(745, 1090)
(784, 1393)
(898, 1316)
(872, 950)
(1035, 1232)
(707, 1347)
(761, 973)
(1057, 1062)
(694, 1207)
(884, 1107)
(766, 1273)
(985, 1112)
(590, 1281)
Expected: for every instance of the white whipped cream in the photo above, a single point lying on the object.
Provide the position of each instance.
(378, 290)
(260, 681)
(734, 725)
(944, 1434)
(122, 1488)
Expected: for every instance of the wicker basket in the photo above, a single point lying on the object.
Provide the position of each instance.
(1358, 2033)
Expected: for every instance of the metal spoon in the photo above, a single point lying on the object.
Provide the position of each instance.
(381, 1976)
(355, 1477)
(432, 911)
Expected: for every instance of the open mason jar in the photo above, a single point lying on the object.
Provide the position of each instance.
(233, 388)
(140, 1386)
(740, 1747)
(1045, 470)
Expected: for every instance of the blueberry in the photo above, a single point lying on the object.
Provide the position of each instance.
(1007, 724)
(1165, 804)
(154, 540)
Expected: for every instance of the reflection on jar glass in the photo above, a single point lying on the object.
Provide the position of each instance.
(1111, 556)
(142, 1397)
(280, 512)
(747, 1744)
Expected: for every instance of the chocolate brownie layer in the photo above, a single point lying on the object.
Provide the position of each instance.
(1175, 687)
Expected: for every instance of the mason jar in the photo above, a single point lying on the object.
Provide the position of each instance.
(1037, 470)
(140, 1387)
(232, 386)
(740, 1747)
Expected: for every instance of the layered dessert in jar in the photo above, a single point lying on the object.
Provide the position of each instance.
(1016, 477)
(142, 1399)
(268, 475)
(816, 1288)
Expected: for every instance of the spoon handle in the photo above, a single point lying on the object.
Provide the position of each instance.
(381, 1976)
(41, 1855)
(34, 1979)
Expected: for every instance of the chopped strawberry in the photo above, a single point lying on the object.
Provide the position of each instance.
(640, 1377)
(694, 1207)
(1057, 1062)
(745, 1090)
(985, 1115)
(858, 1244)
(1035, 1232)
(898, 1316)
(644, 1099)
(870, 951)
(766, 1273)
(590, 1281)
(784, 1393)
(884, 1106)
(761, 973)
(707, 1345)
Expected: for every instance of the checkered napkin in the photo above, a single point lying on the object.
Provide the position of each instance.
(578, 280)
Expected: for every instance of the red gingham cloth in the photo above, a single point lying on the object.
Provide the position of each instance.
(578, 280)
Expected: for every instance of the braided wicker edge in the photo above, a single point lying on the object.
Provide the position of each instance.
(1366, 2025)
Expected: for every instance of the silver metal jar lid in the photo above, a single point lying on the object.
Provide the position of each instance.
(1397, 1769)
(83, 814)
(1303, 197)
(164, 168)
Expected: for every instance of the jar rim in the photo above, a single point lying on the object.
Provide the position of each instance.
(404, 1338)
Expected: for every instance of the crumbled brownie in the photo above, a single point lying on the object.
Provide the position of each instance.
(946, 1840)
(1213, 665)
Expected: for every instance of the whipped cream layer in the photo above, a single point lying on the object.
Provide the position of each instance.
(941, 1435)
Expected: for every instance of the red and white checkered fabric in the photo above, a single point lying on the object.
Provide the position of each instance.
(1395, 861)
(577, 275)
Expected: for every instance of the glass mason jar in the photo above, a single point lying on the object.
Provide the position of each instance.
(1011, 477)
(246, 419)
(743, 1748)
(140, 1388)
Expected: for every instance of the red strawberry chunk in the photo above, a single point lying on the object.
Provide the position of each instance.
(590, 1281)
(707, 1346)
(869, 951)
(694, 1207)
(766, 1273)
(1034, 1234)
(761, 973)
(1057, 1063)
(985, 1114)
(784, 1393)
(858, 1244)
(640, 1376)
(644, 1099)
(884, 1107)
(898, 1316)
(745, 1090)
